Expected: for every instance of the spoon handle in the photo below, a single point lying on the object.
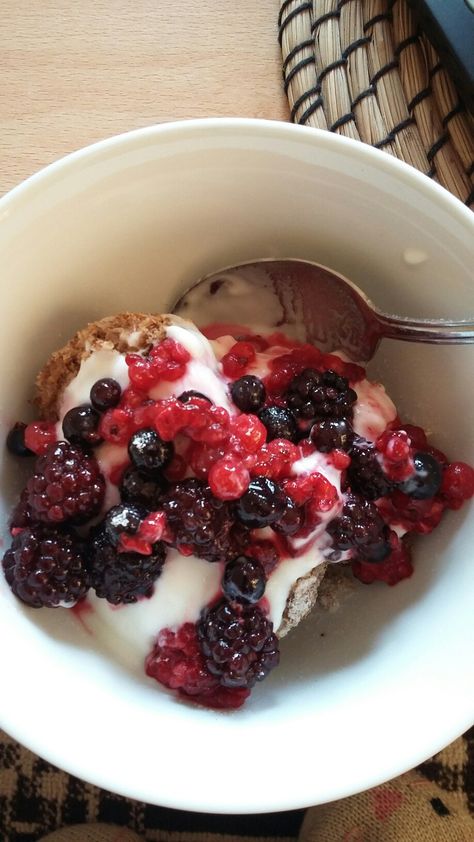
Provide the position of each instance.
(435, 332)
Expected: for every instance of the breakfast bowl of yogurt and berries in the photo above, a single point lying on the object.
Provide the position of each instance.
(221, 541)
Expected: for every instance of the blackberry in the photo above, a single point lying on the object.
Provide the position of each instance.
(290, 521)
(244, 580)
(361, 529)
(426, 481)
(201, 521)
(320, 394)
(105, 394)
(364, 474)
(238, 644)
(16, 441)
(80, 426)
(263, 504)
(137, 488)
(279, 422)
(21, 515)
(331, 434)
(67, 485)
(149, 453)
(185, 397)
(123, 519)
(122, 577)
(248, 393)
(45, 567)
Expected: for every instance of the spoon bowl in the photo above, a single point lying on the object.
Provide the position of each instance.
(312, 302)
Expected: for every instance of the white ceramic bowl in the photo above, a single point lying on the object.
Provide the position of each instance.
(127, 224)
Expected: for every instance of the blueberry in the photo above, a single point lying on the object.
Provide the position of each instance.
(248, 393)
(16, 441)
(185, 397)
(244, 580)
(331, 434)
(149, 453)
(426, 480)
(123, 518)
(105, 394)
(80, 425)
(263, 503)
(290, 521)
(280, 423)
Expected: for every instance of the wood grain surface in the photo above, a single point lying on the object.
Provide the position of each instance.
(75, 72)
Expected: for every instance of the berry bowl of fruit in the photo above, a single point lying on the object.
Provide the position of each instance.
(220, 538)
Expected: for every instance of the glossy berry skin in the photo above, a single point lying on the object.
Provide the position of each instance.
(238, 644)
(316, 394)
(122, 577)
(361, 529)
(149, 453)
(16, 441)
(280, 423)
(263, 503)
(426, 480)
(80, 426)
(365, 475)
(291, 521)
(142, 490)
(105, 394)
(332, 434)
(244, 580)
(248, 393)
(125, 518)
(45, 567)
(186, 397)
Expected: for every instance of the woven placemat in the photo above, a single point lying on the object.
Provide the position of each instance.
(364, 69)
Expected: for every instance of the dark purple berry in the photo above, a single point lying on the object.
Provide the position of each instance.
(45, 567)
(318, 395)
(122, 577)
(149, 453)
(244, 580)
(263, 504)
(279, 422)
(21, 515)
(426, 481)
(238, 644)
(331, 434)
(359, 528)
(67, 485)
(364, 474)
(137, 488)
(202, 522)
(105, 394)
(16, 441)
(125, 518)
(290, 521)
(80, 426)
(185, 397)
(248, 393)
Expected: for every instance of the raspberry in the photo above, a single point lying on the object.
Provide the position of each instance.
(275, 459)
(314, 488)
(228, 478)
(248, 434)
(202, 457)
(166, 361)
(80, 426)
(248, 393)
(361, 529)
(244, 580)
(392, 569)
(365, 475)
(414, 515)
(266, 553)
(263, 503)
(149, 453)
(67, 485)
(238, 644)
(458, 484)
(16, 441)
(237, 360)
(105, 394)
(39, 435)
(136, 488)
(176, 662)
(394, 445)
(279, 422)
(122, 577)
(45, 567)
(317, 395)
(201, 521)
(116, 425)
(284, 368)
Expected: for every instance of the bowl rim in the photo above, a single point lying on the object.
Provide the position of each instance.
(26, 731)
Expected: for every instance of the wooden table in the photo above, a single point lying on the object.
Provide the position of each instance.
(73, 73)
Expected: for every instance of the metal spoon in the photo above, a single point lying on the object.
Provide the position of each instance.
(311, 302)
